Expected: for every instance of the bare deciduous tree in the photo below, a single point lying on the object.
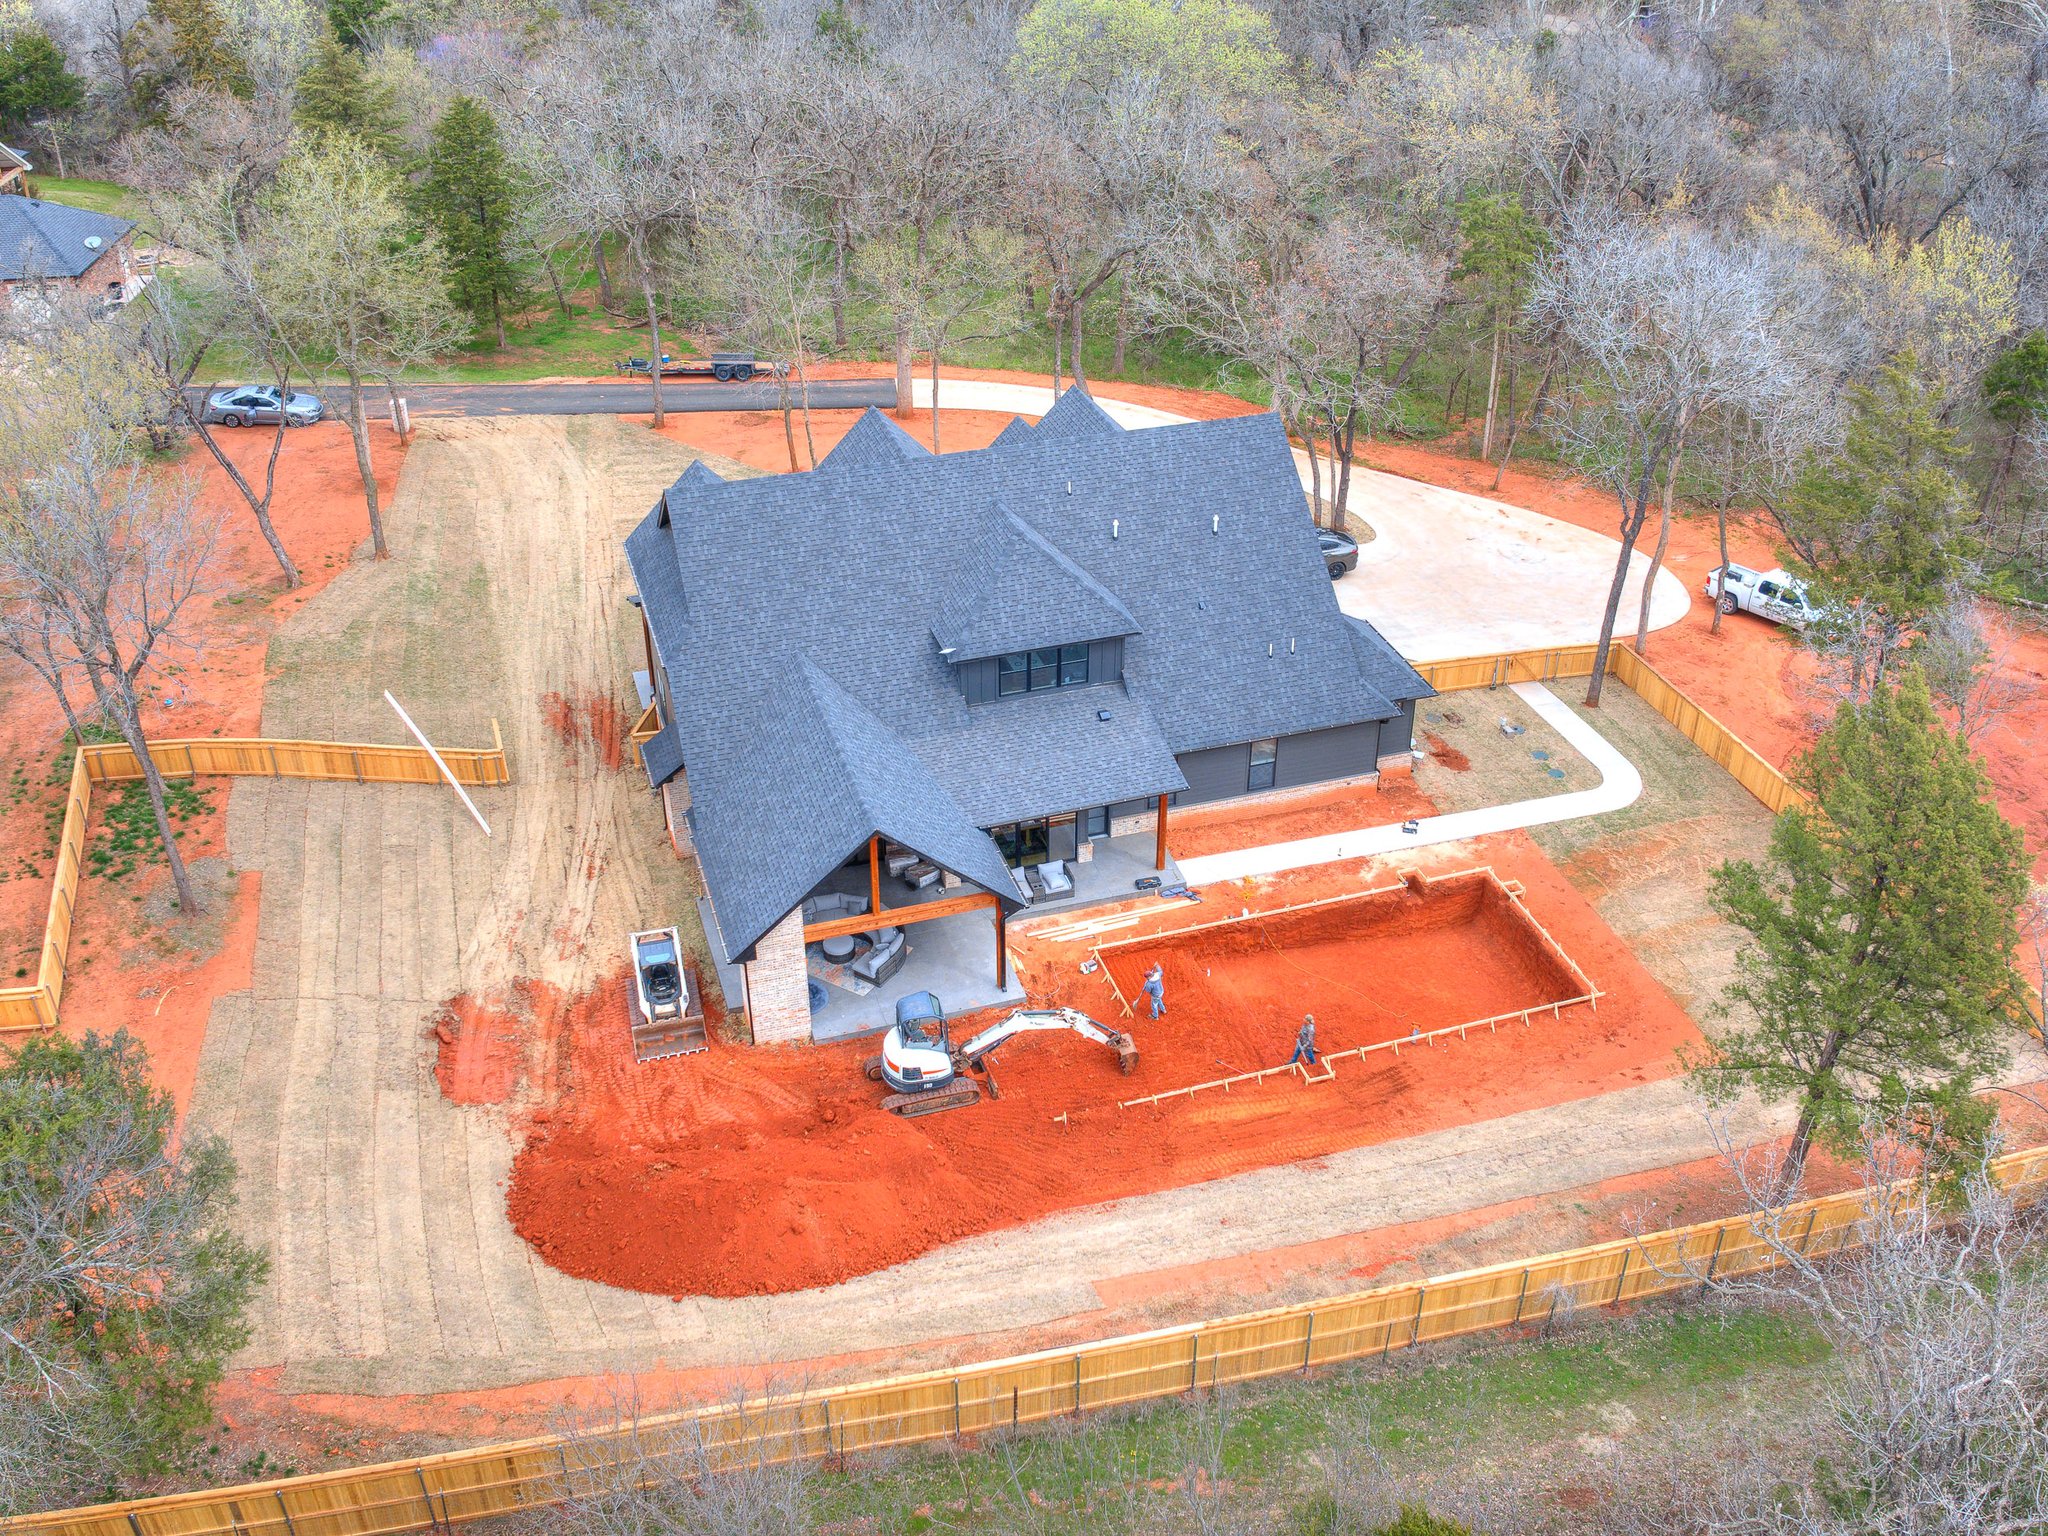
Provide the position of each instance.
(99, 556)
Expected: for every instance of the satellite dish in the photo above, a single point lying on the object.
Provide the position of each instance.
(93, 242)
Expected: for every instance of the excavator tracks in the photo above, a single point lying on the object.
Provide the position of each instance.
(958, 1095)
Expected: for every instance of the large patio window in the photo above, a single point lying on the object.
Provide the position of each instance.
(1264, 754)
(1053, 666)
(1022, 843)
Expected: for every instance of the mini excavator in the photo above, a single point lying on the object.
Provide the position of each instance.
(929, 1074)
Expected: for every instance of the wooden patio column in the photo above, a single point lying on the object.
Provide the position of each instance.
(647, 640)
(1160, 862)
(875, 872)
(1002, 946)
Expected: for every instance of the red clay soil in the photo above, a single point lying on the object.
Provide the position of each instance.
(599, 722)
(1206, 829)
(482, 1045)
(1752, 676)
(650, 1177)
(212, 687)
(1382, 967)
(1444, 755)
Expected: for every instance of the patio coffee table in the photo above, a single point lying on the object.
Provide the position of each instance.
(839, 948)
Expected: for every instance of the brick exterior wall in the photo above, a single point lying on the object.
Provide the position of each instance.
(778, 985)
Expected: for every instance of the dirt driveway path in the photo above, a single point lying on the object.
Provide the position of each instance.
(381, 1203)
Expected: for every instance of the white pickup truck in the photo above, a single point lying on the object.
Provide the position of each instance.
(1775, 595)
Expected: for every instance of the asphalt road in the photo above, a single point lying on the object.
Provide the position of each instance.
(624, 397)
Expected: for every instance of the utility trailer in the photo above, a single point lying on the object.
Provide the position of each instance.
(724, 367)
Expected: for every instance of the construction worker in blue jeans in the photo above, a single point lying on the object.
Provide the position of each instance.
(1305, 1042)
(1155, 990)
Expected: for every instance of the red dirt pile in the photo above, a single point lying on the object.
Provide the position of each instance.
(1444, 755)
(483, 1044)
(598, 722)
(742, 1172)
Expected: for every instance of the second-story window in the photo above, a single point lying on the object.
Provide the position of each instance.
(1054, 666)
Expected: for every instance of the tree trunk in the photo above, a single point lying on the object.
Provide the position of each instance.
(1123, 331)
(1075, 311)
(653, 343)
(130, 724)
(498, 318)
(1492, 394)
(1657, 555)
(905, 358)
(547, 261)
(604, 273)
(259, 506)
(803, 384)
(1721, 518)
(56, 149)
(789, 424)
(935, 397)
(1991, 484)
(359, 429)
(1635, 511)
(1059, 338)
(840, 240)
(1535, 411)
(1315, 469)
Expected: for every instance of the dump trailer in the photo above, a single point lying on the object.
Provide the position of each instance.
(929, 1074)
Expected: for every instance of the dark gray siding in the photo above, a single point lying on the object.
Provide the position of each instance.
(1105, 665)
(1398, 734)
(1338, 753)
(1215, 774)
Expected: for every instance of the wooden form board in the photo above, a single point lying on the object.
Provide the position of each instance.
(431, 1492)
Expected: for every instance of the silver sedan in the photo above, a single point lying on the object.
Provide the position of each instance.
(258, 406)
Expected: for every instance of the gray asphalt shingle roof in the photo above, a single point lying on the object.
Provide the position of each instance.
(39, 239)
(795, 615)
(874, 439)
(1019, 593)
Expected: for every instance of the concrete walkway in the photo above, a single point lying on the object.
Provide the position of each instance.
(1448, 574)
(1619, 785)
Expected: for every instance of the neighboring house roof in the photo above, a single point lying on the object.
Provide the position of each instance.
(13, 160)
(800, 619)
(39, 239)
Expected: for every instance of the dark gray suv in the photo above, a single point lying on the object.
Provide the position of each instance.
(1340, 551)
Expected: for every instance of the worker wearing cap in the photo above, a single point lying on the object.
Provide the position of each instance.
(1305, 1042)
(1155, 989)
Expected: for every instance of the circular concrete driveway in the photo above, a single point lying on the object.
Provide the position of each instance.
(1449, 574)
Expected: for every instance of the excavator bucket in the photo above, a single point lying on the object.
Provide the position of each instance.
(1126, 1054)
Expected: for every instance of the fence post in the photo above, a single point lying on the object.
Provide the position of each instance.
(1622, 1279)
(1521, 1296)
(285, 1510)
(1415, 1328)
(355, 759)
(956, 1407)
(1807, 1235)
(271, 746)
(1308, 1344)
(1714, 1258)
(1077, 1386)
(1194, 1360)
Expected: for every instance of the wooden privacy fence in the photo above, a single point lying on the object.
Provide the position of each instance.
(1749, 767)
(431, 1492)
(35, 1006)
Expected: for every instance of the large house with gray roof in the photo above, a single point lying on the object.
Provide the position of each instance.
(907, 688)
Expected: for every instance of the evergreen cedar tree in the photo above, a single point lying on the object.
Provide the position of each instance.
(1878, 974)
(34, 84)
(1879, 529)
(198, 38)
(336, 95)
(466, 197)
(143, 1324)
